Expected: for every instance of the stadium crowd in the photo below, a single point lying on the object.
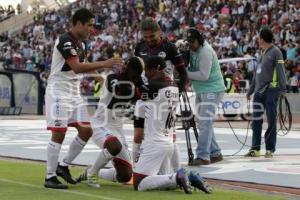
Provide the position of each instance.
(9, 11)
(231, 26)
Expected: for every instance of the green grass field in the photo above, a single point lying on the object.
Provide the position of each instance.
(21, 180)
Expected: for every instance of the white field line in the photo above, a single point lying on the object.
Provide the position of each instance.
(62, 191)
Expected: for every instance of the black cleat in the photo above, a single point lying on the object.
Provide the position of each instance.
(64, 172)
(83, 176)
(182, 181)
(54, 183)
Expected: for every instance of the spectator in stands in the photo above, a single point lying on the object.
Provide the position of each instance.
(7, 58)
(231, 26)
(236, 80)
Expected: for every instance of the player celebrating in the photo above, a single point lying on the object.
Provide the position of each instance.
(108, 127)
(64, 105)
(156, 116)
(154, 44)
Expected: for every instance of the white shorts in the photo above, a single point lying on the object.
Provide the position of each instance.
(62, 111)
(154, 160)
(104, 124)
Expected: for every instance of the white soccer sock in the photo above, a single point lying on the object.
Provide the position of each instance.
(75, 148)
(160, 182)
(175, 164)
(103, 158)
(135, 151)
(108, 174)
(52, 158)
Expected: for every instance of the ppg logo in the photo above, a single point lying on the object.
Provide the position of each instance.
(231, 104)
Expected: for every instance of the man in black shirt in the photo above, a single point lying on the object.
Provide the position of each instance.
(154, 44)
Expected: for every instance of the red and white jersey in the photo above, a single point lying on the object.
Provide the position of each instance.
(158, 108)
(62, 78)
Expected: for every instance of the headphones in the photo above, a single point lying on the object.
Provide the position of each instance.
(193, 33)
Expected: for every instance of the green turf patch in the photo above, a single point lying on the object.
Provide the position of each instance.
(24, 181)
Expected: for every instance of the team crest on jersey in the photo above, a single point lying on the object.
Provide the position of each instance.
(73, 52)
(168, 93)
(162, 54)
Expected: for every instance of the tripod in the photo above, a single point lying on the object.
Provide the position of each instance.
(188, 121)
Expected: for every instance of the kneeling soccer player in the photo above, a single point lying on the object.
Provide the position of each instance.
(155, 113)
(107, 126)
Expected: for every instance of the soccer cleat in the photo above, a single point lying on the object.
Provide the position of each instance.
(92, 180)
(82, 177)
(182, 181)
(198, 181)
(269, 154)
(253, 153)
(54, 183)
(64, 172)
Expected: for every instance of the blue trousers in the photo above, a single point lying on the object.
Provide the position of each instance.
(266, 101)
(206, 107)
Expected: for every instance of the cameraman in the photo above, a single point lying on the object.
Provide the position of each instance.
(205, 72)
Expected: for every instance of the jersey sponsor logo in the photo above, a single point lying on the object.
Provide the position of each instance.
(162, 54)
(170, 94)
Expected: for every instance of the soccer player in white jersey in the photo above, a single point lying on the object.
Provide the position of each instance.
(119, 91)
(64, 104)
(155, 114)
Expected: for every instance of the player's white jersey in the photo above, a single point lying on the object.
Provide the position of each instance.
(62, 78)
(114, 101)
(159, 111)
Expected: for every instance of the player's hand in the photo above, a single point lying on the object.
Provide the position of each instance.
(112, 62)
(100, 79)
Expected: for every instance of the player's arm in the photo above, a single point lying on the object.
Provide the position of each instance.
(68, 51)
(178, 62)
(79, 67)
(138, 130)
(139, 121)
